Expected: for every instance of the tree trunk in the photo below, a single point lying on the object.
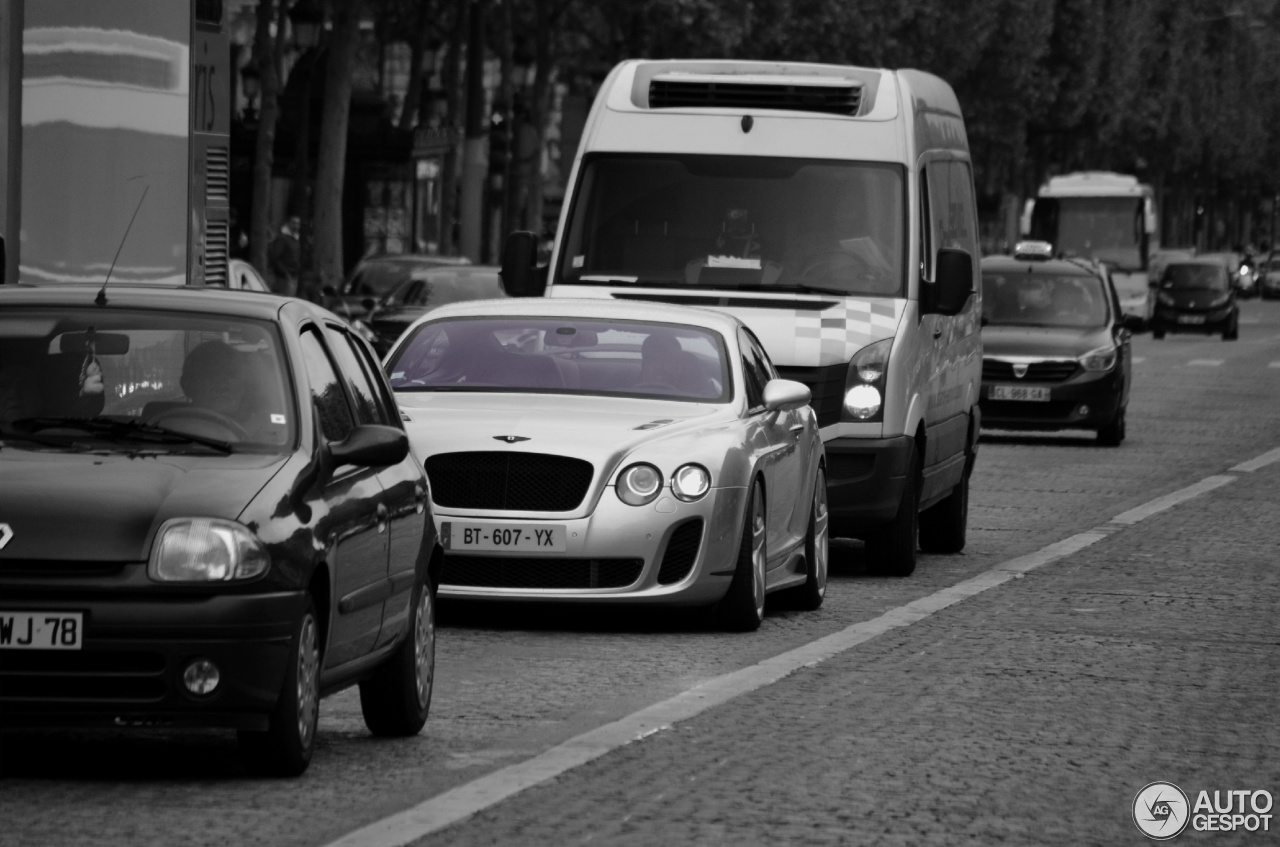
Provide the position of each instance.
(540, 112)
(267, 55)
(475, 158)
(453, 119)
(413, 96)
(332, 159)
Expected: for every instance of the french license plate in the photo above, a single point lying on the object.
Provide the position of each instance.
(525, 538)
(1190, 319)
(41, 630)
(1019, 392)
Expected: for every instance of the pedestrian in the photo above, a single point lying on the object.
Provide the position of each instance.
(284, 257)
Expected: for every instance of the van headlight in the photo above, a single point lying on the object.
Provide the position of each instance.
(1101, 360)
(864, 385)
(639, 484)
(206, 550)
(690, 482)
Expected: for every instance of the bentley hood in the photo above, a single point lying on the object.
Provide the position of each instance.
(106, 507)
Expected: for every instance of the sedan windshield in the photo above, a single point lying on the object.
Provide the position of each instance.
(1043, 300)
(166, 380)
(564, 356)
(737, 222)
(1198, 277)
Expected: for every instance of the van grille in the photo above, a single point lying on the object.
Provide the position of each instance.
(826, 387)
(842, 99)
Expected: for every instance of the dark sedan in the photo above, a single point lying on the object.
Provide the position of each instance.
(1056, 347)
(376, 276)
(210, 517)
(427, 290)
(1196, 295)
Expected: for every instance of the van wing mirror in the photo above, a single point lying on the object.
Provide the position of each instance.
(953, 282)
(520, 276)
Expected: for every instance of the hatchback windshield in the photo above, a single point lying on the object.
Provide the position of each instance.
(1199, 276)
(167, 380)
(564, 356)
(737, 222)
(1043, 300)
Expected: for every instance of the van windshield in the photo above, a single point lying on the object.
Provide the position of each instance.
(737, 222)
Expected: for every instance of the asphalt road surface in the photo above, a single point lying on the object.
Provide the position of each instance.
(1112, 623)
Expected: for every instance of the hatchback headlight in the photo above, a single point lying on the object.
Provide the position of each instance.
(639, 484)
(690, 482)
(864, 385)
(1101, 360)
(206, 550)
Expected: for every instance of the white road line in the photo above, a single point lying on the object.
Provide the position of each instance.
(1137, 360)
(457, 804)
(1205, 363)
(1273, 364)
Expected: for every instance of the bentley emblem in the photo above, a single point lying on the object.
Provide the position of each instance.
(6, 533)
(510, 439)
(1020, 370)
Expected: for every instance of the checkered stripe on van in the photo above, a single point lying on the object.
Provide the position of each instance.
(834, 335)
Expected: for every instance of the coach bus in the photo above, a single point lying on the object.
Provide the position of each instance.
(114, 140)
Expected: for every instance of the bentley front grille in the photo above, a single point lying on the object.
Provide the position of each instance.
(523, 482)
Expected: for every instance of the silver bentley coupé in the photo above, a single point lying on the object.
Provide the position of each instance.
(616, 452)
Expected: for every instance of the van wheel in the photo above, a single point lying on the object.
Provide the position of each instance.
(943, 525)
(1232, 333)
(742, 607)
(892, 547)
(285, 748)
(396, 699)
(1113, 433)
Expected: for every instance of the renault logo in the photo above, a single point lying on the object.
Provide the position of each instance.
(1020, 370)
(6, 533)
(510, 439)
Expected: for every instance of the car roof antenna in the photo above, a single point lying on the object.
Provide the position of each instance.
(101, 299)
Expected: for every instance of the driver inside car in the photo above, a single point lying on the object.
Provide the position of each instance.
(220, 387)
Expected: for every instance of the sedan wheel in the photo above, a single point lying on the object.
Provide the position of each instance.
(742, 608)
(809, 596)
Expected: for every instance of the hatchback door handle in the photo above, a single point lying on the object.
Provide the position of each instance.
(382, 517)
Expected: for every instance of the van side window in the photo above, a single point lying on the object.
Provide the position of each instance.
(926, 230)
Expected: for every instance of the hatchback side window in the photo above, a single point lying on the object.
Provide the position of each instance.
(368, 408)
(326, 389)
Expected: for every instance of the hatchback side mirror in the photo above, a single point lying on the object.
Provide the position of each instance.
(371, 445)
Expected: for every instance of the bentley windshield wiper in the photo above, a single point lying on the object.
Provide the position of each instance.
(116, 430)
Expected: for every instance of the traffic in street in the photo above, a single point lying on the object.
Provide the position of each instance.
(1110, 624)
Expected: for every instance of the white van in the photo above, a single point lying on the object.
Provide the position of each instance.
(832, 210)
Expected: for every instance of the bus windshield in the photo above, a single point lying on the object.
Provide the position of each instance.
(1109, 229)
(736, 222)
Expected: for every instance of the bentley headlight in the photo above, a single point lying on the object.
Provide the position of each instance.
(206, 550)
(691, 482)
(1101, 360)
(639, 484)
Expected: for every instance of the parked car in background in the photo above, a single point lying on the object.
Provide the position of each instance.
(1269, 283)
(596, 451)
(1056, 345)
(1161, 258)
(425, 290)
(1197, 295)
(1241, 270)
(242, 276)
(210, 518)
(374, 277)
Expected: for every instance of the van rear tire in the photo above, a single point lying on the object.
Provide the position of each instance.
(892, 548)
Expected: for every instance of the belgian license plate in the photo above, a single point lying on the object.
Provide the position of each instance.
(41, 630)
(525, 538)
(1019, 392)
(1190, 319)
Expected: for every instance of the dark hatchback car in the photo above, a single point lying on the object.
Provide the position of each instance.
(1056, 346)
(427, 290)
(209, 516)
(1196, 295)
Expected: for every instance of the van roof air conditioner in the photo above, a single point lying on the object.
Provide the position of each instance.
(701, 91)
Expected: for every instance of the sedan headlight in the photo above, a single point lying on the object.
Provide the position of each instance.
(206, 550)
(363, 330)
(1220, 301)
(864, 385)
(1101, 360)
(639, 484)
(691, 482)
